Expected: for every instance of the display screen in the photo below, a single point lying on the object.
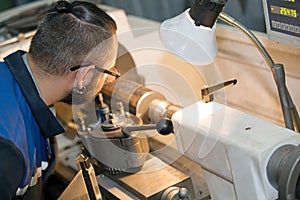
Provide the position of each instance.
(284, 16)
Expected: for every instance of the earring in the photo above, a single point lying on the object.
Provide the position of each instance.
(80, 91)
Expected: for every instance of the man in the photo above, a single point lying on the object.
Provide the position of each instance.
(69, 59)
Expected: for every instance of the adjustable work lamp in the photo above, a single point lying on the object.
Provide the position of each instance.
(192, 34)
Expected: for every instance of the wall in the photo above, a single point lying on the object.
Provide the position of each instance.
(155, 9)
(249, 12)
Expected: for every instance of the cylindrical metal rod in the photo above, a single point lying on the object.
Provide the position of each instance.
(139, 100)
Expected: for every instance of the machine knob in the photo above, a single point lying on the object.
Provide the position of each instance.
(175, 193)
(183, 193)
(164, 126)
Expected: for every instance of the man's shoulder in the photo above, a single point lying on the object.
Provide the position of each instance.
(10, 99)
(3, 65)
(7, 83)
(5, 73)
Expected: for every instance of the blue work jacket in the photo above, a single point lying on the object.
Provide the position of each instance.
(26, 123)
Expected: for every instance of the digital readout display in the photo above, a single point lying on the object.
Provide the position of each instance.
(284, 16)
(284, 11)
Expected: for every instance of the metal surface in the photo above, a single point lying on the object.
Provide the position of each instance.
(139, 100)
(150, 183)
(283, 171)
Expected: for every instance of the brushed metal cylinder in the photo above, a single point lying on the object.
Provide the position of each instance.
(139, 100)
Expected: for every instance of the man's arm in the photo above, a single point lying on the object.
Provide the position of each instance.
(12, 169)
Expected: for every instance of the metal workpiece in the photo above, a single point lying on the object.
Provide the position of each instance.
(159, 109)
(139, 100)
(283, 171)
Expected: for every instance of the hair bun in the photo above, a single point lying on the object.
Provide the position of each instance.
(63, 7)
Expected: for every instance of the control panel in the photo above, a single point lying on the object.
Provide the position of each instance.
(283, 21)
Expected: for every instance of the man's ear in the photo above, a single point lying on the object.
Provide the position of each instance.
(84, 76)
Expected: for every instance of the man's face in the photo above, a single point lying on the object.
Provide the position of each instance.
(97, 81)
(92, 89)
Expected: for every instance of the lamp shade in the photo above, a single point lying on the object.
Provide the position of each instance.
(195, 44)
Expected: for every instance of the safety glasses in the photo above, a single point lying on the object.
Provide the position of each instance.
(114, 72)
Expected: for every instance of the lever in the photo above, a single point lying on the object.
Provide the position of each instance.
(164, 127)
(207, 92)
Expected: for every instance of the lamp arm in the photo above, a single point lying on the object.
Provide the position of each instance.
(289, 110)
(233, 22)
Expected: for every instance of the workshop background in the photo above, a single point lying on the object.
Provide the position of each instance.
(240, 56)
(159, 10)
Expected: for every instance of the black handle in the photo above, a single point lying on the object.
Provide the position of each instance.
(164, 127)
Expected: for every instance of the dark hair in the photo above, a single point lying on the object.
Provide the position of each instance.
(67, 33)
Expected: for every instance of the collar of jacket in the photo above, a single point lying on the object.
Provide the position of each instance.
(46, 120)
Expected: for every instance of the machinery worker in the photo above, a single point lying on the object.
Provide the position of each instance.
(70, 57)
